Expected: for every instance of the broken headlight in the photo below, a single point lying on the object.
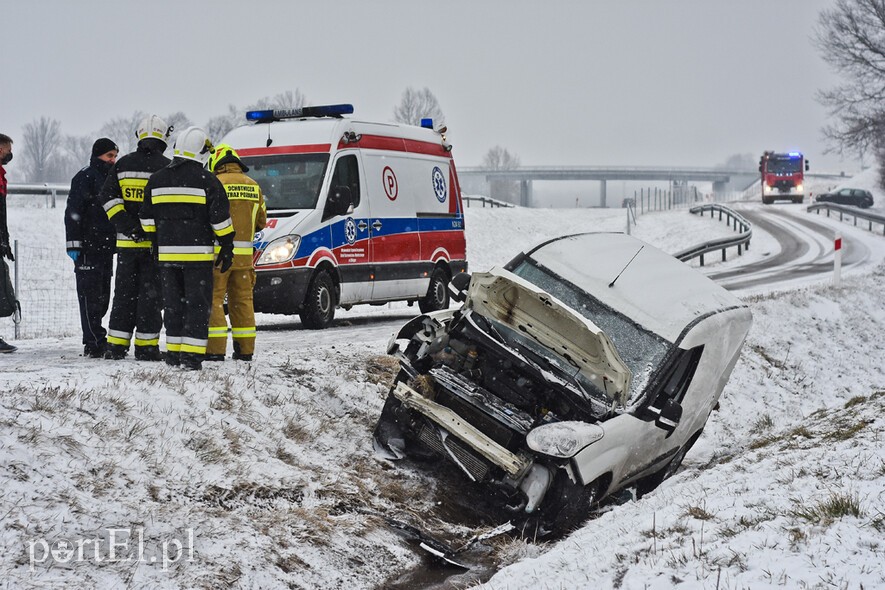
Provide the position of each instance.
(563, 439)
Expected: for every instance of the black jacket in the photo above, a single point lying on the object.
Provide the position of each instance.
(123, 190)
(186, 209)
(86, 225)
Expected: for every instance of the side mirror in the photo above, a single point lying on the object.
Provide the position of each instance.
(669, 417)
(340, 200)
(806, 165)
(459, 285)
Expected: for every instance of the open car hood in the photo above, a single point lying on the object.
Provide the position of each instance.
(520, 305)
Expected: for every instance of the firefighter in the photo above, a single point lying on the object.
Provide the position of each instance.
(249, 214)
(186, 210)
(137, 304)
(90, 241)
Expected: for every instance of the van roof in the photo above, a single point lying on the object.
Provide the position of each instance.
(324, 133)
(661, 293)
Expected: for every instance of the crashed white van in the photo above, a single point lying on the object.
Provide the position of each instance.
(358, 212)
(587, 364)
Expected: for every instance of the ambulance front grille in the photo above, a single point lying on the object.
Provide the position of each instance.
(475, 466)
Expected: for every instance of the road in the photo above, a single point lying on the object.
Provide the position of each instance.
(806, 249)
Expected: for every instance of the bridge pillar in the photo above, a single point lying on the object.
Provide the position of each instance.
(602, 186)
(719, 186)
(525, 193)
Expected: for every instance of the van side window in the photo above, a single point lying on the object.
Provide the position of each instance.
(677, 378)
(347, 173)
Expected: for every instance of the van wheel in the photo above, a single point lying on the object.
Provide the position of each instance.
(437, 292)
(319, 304)
(566, 507)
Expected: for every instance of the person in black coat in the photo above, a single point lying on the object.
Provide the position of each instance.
(90, 242)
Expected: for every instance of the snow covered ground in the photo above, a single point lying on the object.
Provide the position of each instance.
(262, 475)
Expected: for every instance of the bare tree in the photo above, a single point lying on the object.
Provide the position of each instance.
(122, 131)
(416, 105)
(851, 38)
(40, 143)
(217, 127)
(498, 158)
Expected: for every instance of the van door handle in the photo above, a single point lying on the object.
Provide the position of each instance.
(376, 225)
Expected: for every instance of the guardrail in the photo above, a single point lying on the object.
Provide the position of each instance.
(52, 191)
(491, 202)
(854, 212)
(741, 240)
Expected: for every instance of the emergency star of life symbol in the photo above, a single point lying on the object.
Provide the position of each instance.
(388, 178)
(350, 230)
(439, 184)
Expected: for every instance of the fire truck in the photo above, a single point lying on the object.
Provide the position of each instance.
(783, 176)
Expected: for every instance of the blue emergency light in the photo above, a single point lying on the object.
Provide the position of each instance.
(332, 110)
(427, 123)
(794, 155)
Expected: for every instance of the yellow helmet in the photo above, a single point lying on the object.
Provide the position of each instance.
(224, 154)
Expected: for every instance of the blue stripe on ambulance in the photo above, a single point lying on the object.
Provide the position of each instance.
(333, 236)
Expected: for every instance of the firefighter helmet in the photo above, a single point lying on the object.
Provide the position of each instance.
(154, 127)
(193, 144)
(224, 154)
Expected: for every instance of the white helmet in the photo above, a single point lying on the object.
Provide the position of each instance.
(154, 127)
(193, 144)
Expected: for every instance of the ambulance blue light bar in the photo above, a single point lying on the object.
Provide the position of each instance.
(331, 110)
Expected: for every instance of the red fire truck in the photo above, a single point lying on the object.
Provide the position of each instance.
(783, 176)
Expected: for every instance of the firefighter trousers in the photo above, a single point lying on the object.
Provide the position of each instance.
(237, 284)
(187, 293)
(137, 302)
(93, 272)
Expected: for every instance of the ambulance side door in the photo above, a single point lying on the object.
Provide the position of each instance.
(396, 245)
(350, 232)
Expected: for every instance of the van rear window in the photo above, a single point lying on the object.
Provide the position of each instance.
(291, 181)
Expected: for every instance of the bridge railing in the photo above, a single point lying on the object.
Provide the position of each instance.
(51, 191)
(734, 219)
(484, 201)
(849, 211)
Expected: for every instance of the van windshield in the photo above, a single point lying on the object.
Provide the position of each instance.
(290, 181)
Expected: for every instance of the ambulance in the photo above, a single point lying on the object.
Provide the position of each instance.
(358, 212)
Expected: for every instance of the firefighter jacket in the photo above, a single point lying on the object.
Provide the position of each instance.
(87, 227)
(185, 209)
(247, 211)
(123, 190)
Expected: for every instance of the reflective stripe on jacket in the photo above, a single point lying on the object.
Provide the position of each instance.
(186, 209)
(247, 210)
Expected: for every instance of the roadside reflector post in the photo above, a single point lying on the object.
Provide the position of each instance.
(837, 261)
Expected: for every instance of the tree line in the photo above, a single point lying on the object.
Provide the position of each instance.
(48, 155)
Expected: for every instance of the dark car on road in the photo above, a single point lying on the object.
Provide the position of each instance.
(848, 196)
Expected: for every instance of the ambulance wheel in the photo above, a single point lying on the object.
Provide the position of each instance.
(319, 304)
(437, 292)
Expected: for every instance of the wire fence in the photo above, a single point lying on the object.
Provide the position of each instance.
(42, 273)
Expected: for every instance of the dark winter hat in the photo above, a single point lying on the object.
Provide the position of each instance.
(103, 146)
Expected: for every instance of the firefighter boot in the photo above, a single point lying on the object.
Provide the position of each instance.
(173, 359)
(148, 353)
(239, 356)
(191, 361)
(115, 352)
(213, 357)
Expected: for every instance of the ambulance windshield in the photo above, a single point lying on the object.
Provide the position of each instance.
(290, 181)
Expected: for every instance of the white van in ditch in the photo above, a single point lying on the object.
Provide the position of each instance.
(358, 212)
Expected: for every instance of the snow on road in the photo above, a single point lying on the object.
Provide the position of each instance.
(265, 475)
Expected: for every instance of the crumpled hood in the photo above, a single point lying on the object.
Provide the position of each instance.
(520, 305)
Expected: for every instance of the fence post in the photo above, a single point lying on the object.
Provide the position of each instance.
(837, 261)
(17, 295)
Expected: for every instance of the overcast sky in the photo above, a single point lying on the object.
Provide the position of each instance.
(619, 82)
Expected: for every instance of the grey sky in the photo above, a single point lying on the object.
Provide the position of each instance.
(650, 82)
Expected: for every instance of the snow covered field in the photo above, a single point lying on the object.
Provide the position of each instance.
(262, 475)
